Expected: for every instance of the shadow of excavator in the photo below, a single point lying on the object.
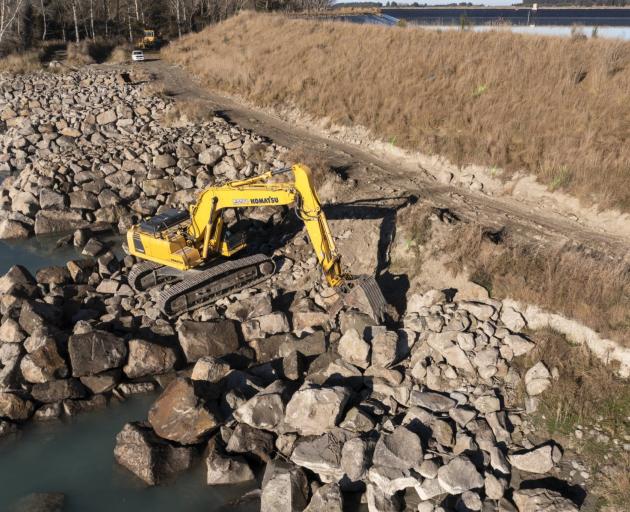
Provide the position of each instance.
(394, 287)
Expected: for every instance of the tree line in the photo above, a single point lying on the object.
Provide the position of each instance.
(25, 23)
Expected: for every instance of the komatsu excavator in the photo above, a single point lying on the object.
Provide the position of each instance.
(193, 250)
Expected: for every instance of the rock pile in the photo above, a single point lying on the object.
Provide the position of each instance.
(88, 148)
(425, 415)
(423, 412)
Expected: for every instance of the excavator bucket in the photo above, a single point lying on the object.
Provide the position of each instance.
(364, 294)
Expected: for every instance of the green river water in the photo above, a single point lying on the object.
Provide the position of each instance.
(75, 456)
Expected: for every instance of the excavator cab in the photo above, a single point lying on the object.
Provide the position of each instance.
(194, 251)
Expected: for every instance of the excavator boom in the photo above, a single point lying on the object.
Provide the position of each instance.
(177, 243)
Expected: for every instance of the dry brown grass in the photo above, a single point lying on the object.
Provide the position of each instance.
(555, 107)
(78, 54)
(587, 395)
(19, 63)
(569, 280)
(120, 54)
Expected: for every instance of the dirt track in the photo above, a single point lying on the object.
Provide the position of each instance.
(380, 179)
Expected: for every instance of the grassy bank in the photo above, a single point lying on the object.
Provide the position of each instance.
(554, 107)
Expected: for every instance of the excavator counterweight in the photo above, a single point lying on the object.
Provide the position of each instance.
(193, 251)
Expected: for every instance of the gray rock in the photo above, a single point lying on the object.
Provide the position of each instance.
(14, 407)
(224, 469)
(535, 500)
(94, 352)
(273, 323)
(106, 117)
(44, 363)
(50, 200)
(164, 161)
(443, 343)
(199, 339)
(266, 409)
(322, 454)
(314, 410)
(210, 369)
(180, 415)
(356, 458)
(327, 498)
(357, 420)
(537, 379)
(384, 346)
(146, 358)
(536, 460)
(10, 332)
(402, 449)
(432, 401)
(378, 501)
(459, 475)
(252, 441)
(354, 349)
(12, 229)
(56, 221)
(211, 155)
(57, 390)
(284, 488)
(147, 456)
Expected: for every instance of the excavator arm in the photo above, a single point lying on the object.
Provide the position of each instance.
(207, 227)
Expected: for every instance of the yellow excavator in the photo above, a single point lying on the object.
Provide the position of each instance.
(149, 40)
(193, 250)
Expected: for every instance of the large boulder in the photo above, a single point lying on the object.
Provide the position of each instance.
(459, 475)
(284, 488)
(354, 349)
(44, 363)
(95, 352)
(180, 415)
(534, 500)
(55, 221)
(147, 456)
(266, 409)
(57, 390)
(199, 339)
(402, 449)
(315, 410)
(16, 276)
(226, 469)
(147, 358)
(14, 407)
(327, 498)
(251, 442)
(322, 454)
(12, 229)
(540, 459)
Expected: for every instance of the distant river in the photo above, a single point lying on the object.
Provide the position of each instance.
(602, 17)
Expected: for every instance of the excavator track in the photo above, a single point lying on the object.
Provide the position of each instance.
(138, 272)
(210, 285)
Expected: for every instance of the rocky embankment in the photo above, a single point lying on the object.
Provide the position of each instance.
(425, 412)
(88, 148)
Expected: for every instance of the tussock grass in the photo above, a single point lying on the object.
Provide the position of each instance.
(555, 107)
(586, 395)
(20, 63)
(569, 280)
(120, 54)
(78, 54)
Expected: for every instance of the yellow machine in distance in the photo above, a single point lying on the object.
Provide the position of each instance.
(149, 39)
(195, 249)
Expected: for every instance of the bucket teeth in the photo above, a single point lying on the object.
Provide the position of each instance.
(364, 294)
